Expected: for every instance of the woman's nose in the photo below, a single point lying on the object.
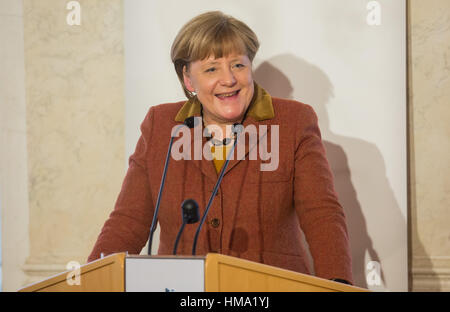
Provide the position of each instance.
(227, 78)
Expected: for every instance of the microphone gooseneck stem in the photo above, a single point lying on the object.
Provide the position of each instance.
(216, 187)
(161, 187)
(178, 238)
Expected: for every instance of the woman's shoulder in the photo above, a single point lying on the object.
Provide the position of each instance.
(161, 116)
(163, 112)
(166, 110)
(292, 109)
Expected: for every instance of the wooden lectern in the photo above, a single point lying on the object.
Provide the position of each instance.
(214, 273)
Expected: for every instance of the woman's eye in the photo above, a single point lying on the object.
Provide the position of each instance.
(210, 70)
(239, 65)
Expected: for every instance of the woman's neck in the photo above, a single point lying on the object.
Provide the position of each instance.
(225, 127)
(219, 131)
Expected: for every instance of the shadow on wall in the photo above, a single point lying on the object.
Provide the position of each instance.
(309, 84)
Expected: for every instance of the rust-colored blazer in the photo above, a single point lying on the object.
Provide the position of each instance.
(256, 215)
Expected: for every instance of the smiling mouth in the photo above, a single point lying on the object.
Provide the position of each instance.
(228, 95)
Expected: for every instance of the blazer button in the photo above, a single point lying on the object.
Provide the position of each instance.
(215, 223)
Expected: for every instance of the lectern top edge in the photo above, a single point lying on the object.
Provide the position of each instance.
(165, 257)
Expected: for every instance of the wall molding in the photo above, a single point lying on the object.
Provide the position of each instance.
(40, 269)
(39, 272)
(431, 274)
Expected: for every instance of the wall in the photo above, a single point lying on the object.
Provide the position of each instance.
(429, 98)
(13, 146)
(73, 160)
(62, 116)
(324, 54)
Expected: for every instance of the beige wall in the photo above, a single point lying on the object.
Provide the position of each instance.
(61, 170)
(73, 105)
(429, 75)
(13, 146)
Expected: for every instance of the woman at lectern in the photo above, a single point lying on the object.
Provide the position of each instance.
(277, 183)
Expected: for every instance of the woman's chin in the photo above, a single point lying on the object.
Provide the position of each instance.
(232, 116)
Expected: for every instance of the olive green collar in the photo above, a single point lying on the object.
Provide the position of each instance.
(260, 108)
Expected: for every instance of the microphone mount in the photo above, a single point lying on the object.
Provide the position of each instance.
(190, 215)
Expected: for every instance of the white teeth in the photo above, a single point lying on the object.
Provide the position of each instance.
(228, 94)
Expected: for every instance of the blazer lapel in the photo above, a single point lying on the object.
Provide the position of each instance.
(245, 147)
(250, 144)
(199, 158)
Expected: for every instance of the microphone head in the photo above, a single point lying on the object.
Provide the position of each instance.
(237, 128)
(189, 210)
(191, 122)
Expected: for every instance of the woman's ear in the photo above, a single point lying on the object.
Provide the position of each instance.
(187, 80)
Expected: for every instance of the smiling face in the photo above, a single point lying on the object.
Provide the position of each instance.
(223, 85)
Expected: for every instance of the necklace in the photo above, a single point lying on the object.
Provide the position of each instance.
(225, 141)
(217, 142)
(208, 135)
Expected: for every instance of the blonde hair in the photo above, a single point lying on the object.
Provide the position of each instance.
(211, 34)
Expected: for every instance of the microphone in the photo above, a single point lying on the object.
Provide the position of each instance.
(190, 214)
(190, 122)
(237, 128)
